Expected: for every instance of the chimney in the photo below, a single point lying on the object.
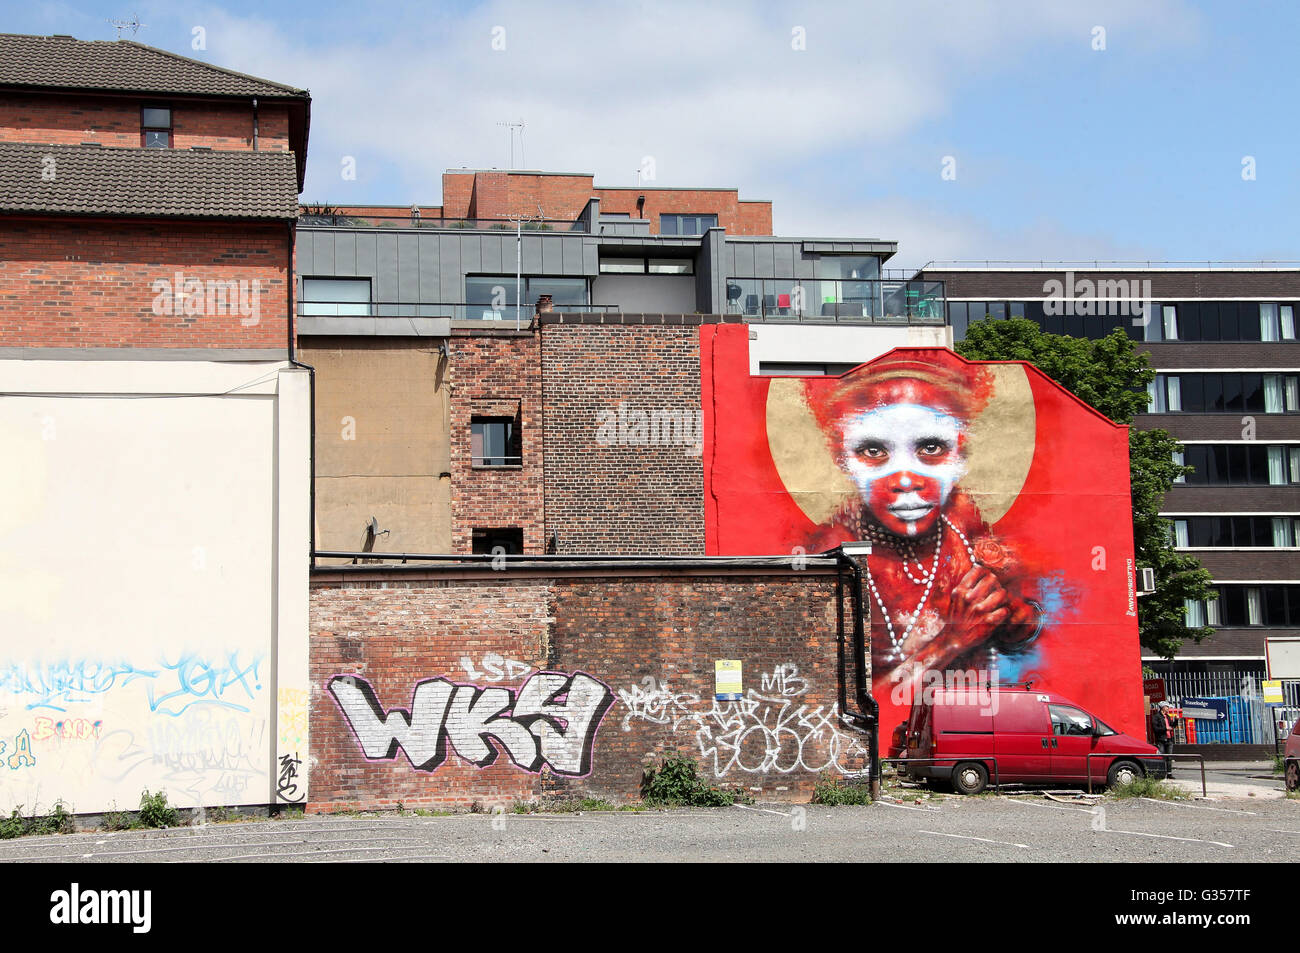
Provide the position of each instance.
(543, 304)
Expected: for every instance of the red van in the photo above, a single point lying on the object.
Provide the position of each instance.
(1036, 737)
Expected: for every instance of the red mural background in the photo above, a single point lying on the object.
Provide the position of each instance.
(1038, 523)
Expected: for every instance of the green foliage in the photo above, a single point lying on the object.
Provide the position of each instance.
(1149, 787)
(676, 783)
(1111, 375)
(58, 821)
(833, 792)
(154, 811)
(1279, 764)
(119, 821)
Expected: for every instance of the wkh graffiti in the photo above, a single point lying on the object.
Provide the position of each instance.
(771, 730)
(550, 721)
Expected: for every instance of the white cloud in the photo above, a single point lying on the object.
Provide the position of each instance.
(715, 94)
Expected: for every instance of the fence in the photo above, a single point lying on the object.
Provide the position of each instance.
(1250, 720)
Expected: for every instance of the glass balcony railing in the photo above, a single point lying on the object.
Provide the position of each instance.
(838, 301)
(339, 220)
(457, 311)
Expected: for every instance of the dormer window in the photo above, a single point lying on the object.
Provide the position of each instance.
(156, 128)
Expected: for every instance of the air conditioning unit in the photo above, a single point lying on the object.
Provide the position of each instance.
(1146, 581)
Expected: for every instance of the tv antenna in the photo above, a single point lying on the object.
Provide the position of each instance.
(512, 127)
(133, 24)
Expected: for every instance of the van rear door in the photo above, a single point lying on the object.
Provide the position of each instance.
(1022, 735)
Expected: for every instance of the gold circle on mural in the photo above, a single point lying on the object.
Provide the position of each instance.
(1000, 447)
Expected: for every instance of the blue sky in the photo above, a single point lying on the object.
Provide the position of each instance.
(1061, 150)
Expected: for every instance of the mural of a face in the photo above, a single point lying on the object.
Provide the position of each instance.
(905, 460)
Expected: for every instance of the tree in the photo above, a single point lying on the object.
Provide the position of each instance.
(1111, 375)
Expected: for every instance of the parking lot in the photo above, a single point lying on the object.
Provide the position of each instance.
(1030, 827)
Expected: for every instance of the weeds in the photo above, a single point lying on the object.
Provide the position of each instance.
(58, 821)
(834, 792)
(155, 811)
(1149, 787)
(676, 783)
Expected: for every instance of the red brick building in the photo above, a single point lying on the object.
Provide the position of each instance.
(152, 415)
(497, 195)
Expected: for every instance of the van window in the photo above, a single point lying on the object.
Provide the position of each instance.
(1070, 721)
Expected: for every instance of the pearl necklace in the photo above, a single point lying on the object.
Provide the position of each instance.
(907, 550)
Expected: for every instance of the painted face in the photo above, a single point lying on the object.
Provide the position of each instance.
(905, 459)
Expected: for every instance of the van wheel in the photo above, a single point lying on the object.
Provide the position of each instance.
(1122, 772)
(970, 777)
(1293, 775)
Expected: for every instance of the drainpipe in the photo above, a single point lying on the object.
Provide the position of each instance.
(869, 709)
(254, 123)
(311, 396)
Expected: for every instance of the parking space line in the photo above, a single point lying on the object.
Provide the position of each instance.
(1196, 840)
(1049, 807)
(762, 810)
(315, 853)
(1197, 807)
(984, 839)
(906, 807)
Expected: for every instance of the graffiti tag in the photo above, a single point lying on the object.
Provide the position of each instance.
(551, 720)
(287, 788)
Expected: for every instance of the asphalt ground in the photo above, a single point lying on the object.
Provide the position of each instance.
(1028, 828)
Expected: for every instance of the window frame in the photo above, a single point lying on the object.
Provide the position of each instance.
(170, 128)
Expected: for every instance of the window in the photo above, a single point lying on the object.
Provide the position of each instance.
(1211, 393)
(686, 224)
(1169, 322)
(156, 128)
(1179, 457)
(641, 266)
(1235, 532)
(493, 442)
(1239, 464)
(492, 297)
(1070, 721)
(335, 296)
(507, 541)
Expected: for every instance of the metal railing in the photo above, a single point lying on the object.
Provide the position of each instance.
(838, 300)
(456, 310)
(343, 220)
(1250, 719)
(1169, 758)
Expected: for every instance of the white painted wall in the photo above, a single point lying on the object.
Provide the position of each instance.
(153, 590)
(646, 294)
(835, 344)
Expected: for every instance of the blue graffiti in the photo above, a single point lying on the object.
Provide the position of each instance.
(202, 682)
(59, 684)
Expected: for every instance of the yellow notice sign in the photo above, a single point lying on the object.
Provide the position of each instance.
(1273, 692)
(726, 680)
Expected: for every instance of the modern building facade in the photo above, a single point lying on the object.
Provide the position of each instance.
(1223, 341)
(156, 472)
(432, 369)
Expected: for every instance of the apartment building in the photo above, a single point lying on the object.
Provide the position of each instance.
(426, 327)
(156, 429)
(1223, 341)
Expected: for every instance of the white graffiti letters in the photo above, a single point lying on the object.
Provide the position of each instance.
(771, 730)
(551, 721)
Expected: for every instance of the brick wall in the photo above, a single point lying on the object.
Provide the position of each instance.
(502, 194)
(67, 283)
(635, 654)
(623, 469)
(496, 375)
(70, 120)
(737, 217)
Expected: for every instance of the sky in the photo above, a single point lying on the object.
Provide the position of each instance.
(962, 129)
